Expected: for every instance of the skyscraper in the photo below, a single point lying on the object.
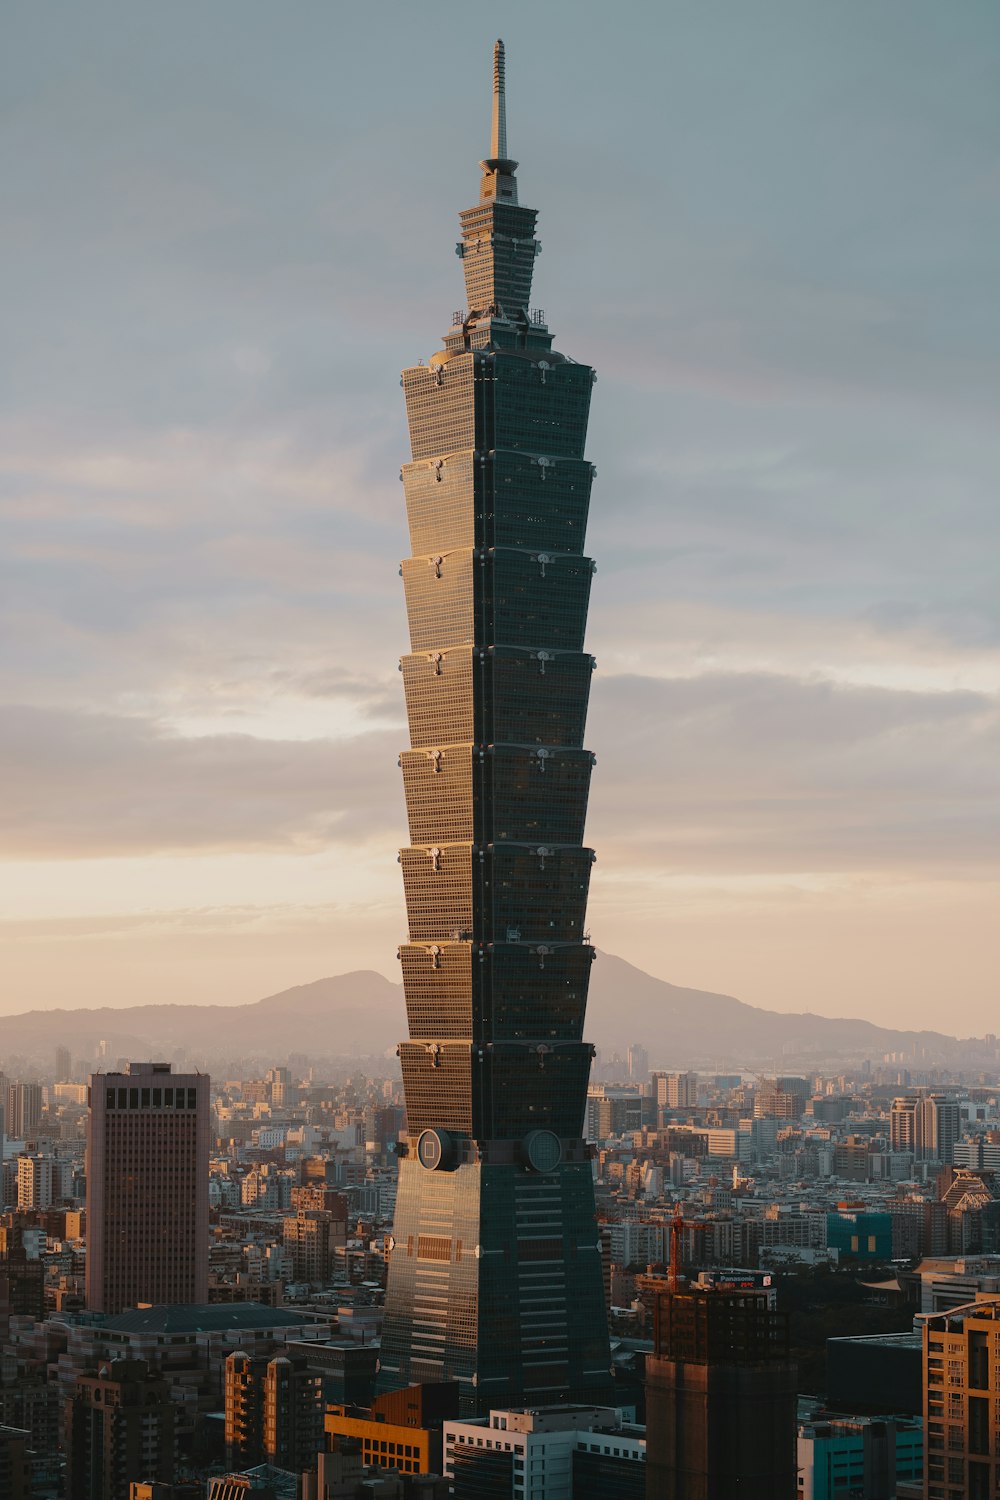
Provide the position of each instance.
(495, 1275)
(147, 1188)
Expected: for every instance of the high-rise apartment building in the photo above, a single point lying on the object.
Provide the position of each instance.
(929, 1125)
(961, 1398)
(274, 1411)
(22, 1278)
(312, 1238)
(24, 1110)
(676, 1090)
(720, 1399)
(43, 1180)
(147, 1187)
(942, 1122)
(780, 1099)
(118, 1426)
(638, 1063)
(17, 1463)
(495, 1274)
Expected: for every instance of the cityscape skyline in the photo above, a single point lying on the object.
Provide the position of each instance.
(798, 662)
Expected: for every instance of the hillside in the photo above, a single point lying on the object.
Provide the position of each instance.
(361, 1015)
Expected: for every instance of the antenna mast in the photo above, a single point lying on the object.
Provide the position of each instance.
(498, 139)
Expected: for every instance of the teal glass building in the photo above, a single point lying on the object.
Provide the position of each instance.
(495, 1272)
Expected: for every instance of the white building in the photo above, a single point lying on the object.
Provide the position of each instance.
(42, 1181)
(536, 1447)
(635, 1244)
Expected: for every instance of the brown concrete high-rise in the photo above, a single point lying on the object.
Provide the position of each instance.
(961, 1396)
(147, 1187)
(119, 1425)
(720, 1399)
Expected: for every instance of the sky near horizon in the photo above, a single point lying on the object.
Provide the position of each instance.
(773, 229)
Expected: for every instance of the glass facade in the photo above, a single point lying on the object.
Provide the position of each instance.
(495, 1273)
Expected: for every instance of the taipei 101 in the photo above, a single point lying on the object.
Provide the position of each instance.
(499, 863)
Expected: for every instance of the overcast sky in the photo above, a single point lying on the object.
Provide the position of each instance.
(772, 226)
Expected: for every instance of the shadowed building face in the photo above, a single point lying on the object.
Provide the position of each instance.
(147, 1204)
(495, 1275)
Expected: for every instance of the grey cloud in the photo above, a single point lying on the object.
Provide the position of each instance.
(727, 772)
(766, 773)
(77, 784)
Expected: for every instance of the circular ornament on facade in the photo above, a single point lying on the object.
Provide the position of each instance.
(542, 1150)
(433, 1149)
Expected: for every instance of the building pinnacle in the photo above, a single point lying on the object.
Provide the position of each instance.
(498, 138)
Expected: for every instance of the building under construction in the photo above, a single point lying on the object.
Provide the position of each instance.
(720, 1398)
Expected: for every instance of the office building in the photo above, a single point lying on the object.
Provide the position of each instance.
(978, 1152)
(961, 1395)
(720, 1399)
(402, 1429)
(858, 1235)
(147, 1188)
(841, 1456)
(875, 1373)
(118, 1427)
(541, 1452)
(495, 1273)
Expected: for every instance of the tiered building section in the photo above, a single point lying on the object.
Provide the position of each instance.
(495, 1274)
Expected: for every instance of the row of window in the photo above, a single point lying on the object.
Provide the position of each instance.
(151, 1098)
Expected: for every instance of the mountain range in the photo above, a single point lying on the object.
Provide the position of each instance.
(360, 1015)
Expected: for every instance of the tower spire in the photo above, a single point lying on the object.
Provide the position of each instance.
(499, 183)
(498, 138)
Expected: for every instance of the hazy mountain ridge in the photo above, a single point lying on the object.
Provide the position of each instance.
(361, 1014)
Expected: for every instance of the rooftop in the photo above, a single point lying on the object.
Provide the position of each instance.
(203, 1317)
(900, 1340)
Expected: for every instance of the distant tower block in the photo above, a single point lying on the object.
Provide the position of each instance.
(495, 1274)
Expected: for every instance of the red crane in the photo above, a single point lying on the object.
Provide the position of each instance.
(676, 1226)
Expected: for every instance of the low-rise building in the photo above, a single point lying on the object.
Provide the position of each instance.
(861, 1456)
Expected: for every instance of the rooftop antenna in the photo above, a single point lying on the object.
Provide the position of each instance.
(498, 139)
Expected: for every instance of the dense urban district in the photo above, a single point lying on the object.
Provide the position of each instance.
(205, 1304)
